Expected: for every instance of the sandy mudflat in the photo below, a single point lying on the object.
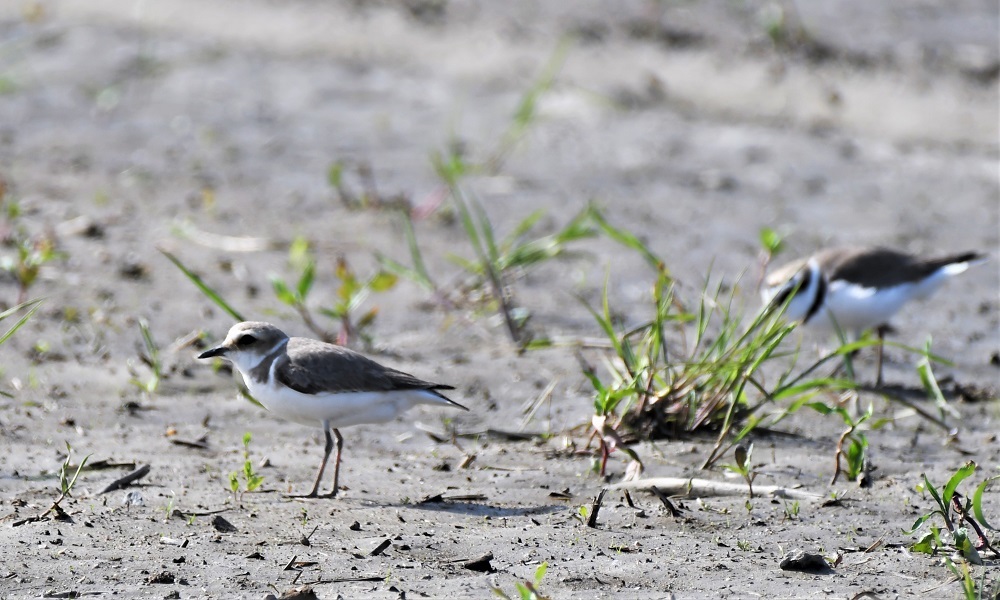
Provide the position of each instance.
(207, 129)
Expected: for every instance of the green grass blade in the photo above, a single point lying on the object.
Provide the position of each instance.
(486, 233)
(281, 291)
(471, 229)
(977, 502)
(20, 322)
(540, 572)
(934, 494)
(924, 352)
(625, 238)
(606, 326)
(523, 227)
(930, 384)
(544, 248)
(527, 109)
(401, 270)
(825, 383)
(306, 281)
(920, 521)
(209, 293)
(415, 254)
(949, 489)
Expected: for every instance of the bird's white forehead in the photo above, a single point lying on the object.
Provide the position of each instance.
(258, 330)
(240, 328)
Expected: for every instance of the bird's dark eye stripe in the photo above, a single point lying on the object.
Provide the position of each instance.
(782, 295)
(245, 340)
(793, 286)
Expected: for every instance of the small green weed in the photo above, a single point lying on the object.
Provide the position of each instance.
(418, 272)
(958, 515)
(497, 262)
(168, 510)
(772, 242)
(855, 455)
(744, 465)
(151, 359)
(32, 306)
(251, 479)
(350, 295)
(66, 481)
(527, 590)
(32, 251)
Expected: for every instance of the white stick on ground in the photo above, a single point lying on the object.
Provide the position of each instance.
(679, 487)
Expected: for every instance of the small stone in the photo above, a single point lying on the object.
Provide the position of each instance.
(133, 499)
(303, 593)
(223, 525)
(161, 577)
(800, 560)
(482, 564)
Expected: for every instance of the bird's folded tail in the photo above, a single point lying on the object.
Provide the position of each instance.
(953, 265)
(433, 391)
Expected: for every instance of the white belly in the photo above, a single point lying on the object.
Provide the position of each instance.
(339, 410)
(857, 309)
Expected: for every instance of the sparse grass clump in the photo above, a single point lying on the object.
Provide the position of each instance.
(681, 371)
(710, 368)
(31, 252)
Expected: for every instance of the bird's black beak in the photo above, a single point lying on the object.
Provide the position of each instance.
(218, 351)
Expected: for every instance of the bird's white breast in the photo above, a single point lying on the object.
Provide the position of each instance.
(856, 308)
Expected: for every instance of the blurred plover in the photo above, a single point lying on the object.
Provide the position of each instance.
(854, 289)
(315, 383)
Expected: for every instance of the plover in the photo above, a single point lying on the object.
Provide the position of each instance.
(854, 289)
(316, 383)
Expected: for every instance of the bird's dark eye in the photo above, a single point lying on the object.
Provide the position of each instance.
(245, 340)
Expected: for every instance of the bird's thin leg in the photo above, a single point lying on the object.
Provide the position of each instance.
(326, 456)
(336, 463)
(880, 332)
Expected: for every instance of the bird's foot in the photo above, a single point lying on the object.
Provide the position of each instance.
(314, 494)
(311, 494)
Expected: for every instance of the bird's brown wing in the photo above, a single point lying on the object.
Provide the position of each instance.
(313, 367)
(883, 267)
